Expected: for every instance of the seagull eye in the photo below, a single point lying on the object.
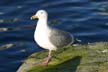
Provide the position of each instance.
(41, 12)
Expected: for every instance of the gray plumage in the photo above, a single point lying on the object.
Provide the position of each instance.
(60, 38)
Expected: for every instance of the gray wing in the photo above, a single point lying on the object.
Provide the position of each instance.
(60, 38)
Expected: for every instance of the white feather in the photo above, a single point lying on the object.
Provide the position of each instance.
(41, 35)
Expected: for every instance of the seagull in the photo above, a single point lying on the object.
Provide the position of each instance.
(48, 37)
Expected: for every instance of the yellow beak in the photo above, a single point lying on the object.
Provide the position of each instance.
(34, 17)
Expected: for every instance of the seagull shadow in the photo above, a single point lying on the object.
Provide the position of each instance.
(67, 66)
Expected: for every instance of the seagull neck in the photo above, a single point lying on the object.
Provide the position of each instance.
(42, 22)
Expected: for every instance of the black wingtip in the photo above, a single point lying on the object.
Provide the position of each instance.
(77, 41)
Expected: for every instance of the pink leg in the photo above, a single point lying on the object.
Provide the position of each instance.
(47, 60)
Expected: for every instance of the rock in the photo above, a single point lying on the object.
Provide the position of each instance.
(81, 58)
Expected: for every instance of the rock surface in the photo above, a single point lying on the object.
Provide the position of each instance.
(82, 58)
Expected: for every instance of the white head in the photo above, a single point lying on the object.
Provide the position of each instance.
(40, 14)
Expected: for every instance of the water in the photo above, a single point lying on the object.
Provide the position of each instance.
(86, 19)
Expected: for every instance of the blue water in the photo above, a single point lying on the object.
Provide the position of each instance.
(87, 20)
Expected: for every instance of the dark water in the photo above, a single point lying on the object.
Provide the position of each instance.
(86, 19)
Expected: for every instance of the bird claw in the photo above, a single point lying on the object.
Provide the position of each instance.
(45, 61)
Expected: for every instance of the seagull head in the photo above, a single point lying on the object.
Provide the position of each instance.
(40, 14)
